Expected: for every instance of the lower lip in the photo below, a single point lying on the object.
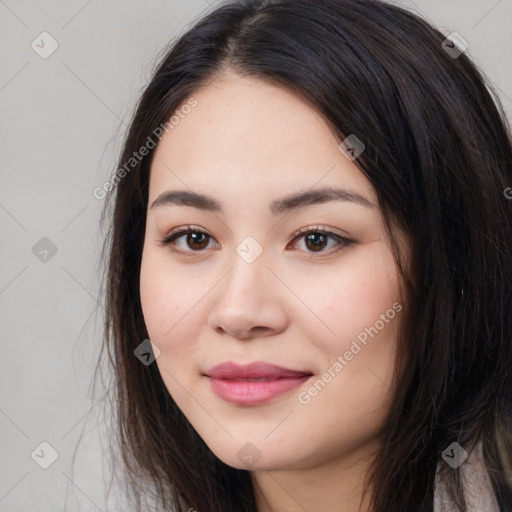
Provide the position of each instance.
(243, 392)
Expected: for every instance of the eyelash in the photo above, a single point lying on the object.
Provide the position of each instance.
(173, 235)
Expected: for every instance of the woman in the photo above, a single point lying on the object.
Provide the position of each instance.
(310, 223)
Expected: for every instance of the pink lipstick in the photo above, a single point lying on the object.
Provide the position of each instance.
(254, 383)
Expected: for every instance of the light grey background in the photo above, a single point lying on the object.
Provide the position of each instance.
(61, 124)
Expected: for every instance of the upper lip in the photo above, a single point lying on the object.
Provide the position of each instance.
(255, 370)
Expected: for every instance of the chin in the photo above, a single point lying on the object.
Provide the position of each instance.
(256, 455)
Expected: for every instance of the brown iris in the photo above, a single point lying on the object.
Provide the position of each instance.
(197, 238)
(313, 237)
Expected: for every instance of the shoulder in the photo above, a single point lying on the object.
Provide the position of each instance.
(477, 486)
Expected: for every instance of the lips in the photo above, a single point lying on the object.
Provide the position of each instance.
(254, 383)
(233, 371)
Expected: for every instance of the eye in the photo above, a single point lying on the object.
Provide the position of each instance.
(195, 239)
(317, 239)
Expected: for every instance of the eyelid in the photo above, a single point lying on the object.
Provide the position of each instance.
(319, 228)
(184, 229)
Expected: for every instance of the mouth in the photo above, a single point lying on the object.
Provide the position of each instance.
(254, 383)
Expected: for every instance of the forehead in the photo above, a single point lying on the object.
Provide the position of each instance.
(246, 133)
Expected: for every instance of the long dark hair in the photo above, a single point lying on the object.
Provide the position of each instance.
(438, 152)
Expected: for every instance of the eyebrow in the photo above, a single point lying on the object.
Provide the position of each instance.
(290, 202)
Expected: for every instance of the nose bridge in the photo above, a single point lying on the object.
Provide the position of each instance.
(245, 302)
(248, 265)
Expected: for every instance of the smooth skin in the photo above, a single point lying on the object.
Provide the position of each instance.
(300, 304)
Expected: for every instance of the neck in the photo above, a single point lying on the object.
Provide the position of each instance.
(336, 484)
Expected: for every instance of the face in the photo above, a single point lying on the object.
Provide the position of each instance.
(267, 269)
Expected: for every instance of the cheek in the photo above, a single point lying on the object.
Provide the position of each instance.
(362, 308)
(354, 301)
(168, 305)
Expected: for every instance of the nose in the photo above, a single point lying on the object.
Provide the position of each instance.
(249, 302)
